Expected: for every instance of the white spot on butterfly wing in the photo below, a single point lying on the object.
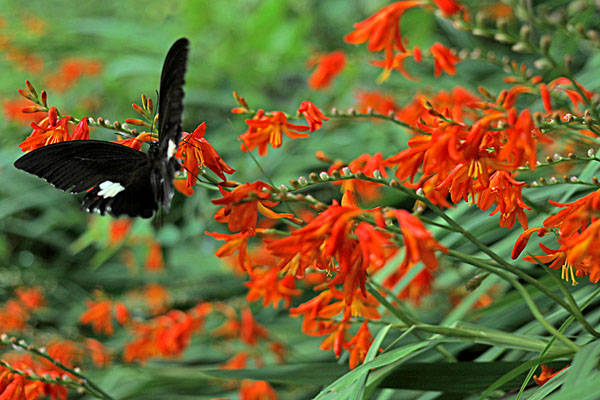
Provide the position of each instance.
(172, 148)
(110, 189)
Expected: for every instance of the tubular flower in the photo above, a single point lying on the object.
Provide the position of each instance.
(163, 336)
(359, 345)
(50, 130)
(257, 390)
(382, 29)
(448, 7)
(547, 374)
(505, 191)
(13, 111)
(241, 206)
(578, 229)
(444, 59)
(195, 152)
(12, 386)
(314, 117)
(70, 71)
(264, 129)
(567, 86)
(418, 242)
(99, 315)
(136, 142)
(236, 242)
(310, 310)
(366, 164)
(328, 67)
(377, 102)
(397, 63)
(265, 283)
(327, 238)
(98, 352)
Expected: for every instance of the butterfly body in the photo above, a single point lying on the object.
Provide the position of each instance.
(120, 180)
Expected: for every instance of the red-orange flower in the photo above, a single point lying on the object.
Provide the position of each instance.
(505, 192)
(264, 129)
(448, 7)
(70, 71)
(98, 352)
(196, 152)
(376, 101)
(444, 59)
(382, 29)
(366, 164)
(314, 117)
(136, 142)
(13, 111)
(241, 206)
(155, 261)
(99, 315)
(547, 374)
(257, 390)
(419, 244)
(359, 345)
(328, 67)
(266, 283)
(49, 130)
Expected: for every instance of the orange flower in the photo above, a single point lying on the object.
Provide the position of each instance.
(257, 390)
(250, 330)
(264, 129)
(157, 297)
(155, 261)
(443, 59)
(328, 67)
(382, 29)
(196, 152)
(448, 7)
(136, 142)
(167, 335)
(505, 191)
(311, 324)
(359, 345)
(119, 228)
(418, 243)
(241, 206)
(376, 101)
(50, 130)
(236, 242)
(547, 374)
(98, 352)
(397, 63)
(30, 297)
(12, 386)
(419, 287)
(265, 283)
(239, 361)
(314, 117)
(13, 111)
(82, 131)
(99, 316)
(70, 71)
(566, 85)
(366, 164)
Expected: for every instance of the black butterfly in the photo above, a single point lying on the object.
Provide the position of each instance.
(118, 179)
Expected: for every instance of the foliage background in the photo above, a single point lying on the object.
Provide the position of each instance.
(259, 49)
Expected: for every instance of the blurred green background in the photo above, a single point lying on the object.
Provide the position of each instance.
(257, 48)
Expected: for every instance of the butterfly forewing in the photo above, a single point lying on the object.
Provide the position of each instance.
(86, 165)
(120, 180)
(170, 102)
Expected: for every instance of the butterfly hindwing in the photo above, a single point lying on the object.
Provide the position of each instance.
(93, 166)
(170, 102)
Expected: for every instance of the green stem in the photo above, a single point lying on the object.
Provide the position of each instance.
(522, 291)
